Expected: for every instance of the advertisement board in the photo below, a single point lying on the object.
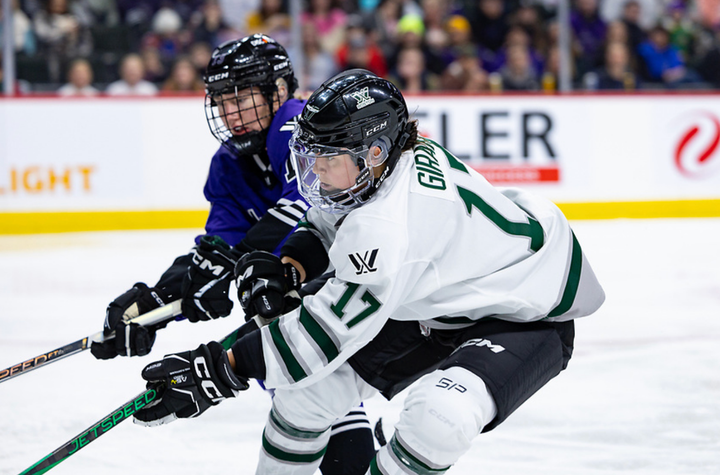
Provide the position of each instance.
(596, 156)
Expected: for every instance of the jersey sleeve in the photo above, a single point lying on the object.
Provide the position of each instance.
(347, 312)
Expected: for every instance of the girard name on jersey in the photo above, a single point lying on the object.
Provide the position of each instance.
(429, 171)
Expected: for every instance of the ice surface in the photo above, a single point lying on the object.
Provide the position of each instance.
(641, 395)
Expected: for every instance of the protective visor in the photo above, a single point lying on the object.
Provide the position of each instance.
(334, 178)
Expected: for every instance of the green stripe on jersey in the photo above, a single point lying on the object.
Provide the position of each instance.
(318, 334)
(374, 469)
(291, 363)
(287, 429)
(282, 455)
(573, 280)
(304, 223)
(412, 462)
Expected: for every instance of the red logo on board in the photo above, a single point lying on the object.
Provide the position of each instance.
(698, 144)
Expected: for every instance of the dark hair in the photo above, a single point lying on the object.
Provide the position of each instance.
(412, 129)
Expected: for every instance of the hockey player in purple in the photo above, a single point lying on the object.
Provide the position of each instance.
(255, 201)
(255, 205)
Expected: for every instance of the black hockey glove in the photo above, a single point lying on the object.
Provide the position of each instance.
(130, 339)
(189, 383)
(206, 284)
(266, 287)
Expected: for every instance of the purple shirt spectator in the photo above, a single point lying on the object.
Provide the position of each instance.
(589, 30)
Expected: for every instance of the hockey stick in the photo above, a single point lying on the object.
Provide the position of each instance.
(108, 422)
(96, 430)
(158, 315)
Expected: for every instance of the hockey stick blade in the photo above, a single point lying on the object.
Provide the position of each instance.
(93, 432)
(114, 418)
(158, 315)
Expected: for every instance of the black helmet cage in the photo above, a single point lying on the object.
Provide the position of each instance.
(255, 61)
(356, 109)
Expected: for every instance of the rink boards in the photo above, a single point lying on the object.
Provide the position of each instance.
(132, 163)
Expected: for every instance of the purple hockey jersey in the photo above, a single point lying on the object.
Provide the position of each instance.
(254, 200)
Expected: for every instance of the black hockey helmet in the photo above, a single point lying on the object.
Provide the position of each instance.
(252, 63)
(350, 114)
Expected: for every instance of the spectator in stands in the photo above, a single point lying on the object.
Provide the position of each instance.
(411, 34)
(708, 65)
(550, 79)
(23, 34)
(358, 51)
(631, 17)
(518, 73)
(61, 36)
(459, 35)
(183, 77)
(155, 69)
(662, 61)
(589, 29)
(490, 26)
(80, 78)
(680, 28)
(708, 13)
(167, 34)
(435, 17)
(208, 25)
(329, 21)
(382, 22)
(271, 18)
(517, 36)
(410, 74)
(200, 54)
(465, 73)
(103, 12)
(318, 65)
(131, 81)
(185, 8)
(617, 32)
(616, 74)
(528, 17)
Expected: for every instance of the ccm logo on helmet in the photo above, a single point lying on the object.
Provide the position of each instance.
(217, 77)
(280, 66)
(376, 128)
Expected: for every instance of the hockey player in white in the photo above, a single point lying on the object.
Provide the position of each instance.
(438, 273)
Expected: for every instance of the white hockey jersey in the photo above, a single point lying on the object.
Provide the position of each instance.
(437, 244)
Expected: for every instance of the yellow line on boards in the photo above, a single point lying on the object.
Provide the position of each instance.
(60, 222)
(642, 209)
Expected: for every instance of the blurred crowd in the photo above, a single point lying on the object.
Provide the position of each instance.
(143, 47)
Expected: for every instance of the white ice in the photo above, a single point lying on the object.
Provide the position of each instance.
(641, 395)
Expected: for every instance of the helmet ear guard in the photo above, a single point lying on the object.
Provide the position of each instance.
(378, 152)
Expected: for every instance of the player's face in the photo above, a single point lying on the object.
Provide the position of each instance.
(244, 111)
(335, 173)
